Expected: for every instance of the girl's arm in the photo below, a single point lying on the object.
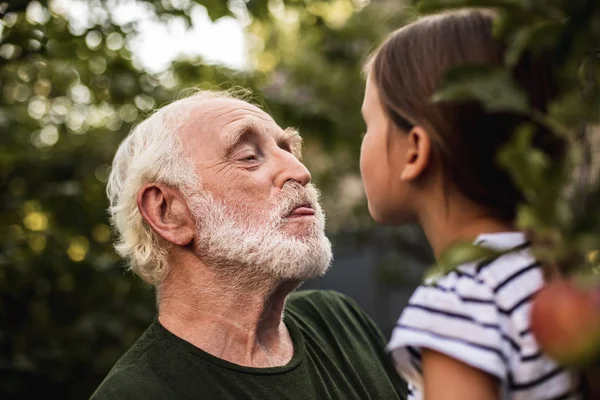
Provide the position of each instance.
(446, 378)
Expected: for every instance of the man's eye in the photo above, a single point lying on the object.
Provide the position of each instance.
(251, 157)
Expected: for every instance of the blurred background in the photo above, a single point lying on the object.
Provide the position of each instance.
(76, 76)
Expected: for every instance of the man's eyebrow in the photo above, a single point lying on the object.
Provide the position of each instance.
(292, 137)
(239, 134)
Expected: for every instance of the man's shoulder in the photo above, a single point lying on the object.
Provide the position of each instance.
(326, 305)
(133, 376)
(130, 382)
(306, 299)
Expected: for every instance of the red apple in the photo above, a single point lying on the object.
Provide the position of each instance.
(565, 320)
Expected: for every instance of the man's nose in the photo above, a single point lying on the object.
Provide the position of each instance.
(292, 169)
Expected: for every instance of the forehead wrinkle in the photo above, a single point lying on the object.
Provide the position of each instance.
(242, 108)
(233, 115)
(240, 119)
(211, 120)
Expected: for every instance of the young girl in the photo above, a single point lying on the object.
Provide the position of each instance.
(465, 335)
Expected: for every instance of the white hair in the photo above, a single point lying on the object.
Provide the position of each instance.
(152, 152)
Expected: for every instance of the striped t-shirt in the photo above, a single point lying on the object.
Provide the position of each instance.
(479, 315)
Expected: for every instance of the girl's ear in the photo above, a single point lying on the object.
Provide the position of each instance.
(417, 153)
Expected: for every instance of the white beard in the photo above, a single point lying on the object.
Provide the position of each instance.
(237, 243)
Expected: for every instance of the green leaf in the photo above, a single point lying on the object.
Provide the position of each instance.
(464, 253)
(519, 43)
(492, 87)
(258, 8)
(528, 168)
(535, 36)
(215, 8)
(460, 254)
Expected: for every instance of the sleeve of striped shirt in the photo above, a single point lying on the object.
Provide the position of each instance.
(455, 316)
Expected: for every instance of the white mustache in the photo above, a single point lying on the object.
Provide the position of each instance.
(296, 195)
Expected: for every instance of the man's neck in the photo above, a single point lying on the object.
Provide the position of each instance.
(240, 324)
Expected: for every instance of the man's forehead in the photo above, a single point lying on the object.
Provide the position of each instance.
(215, 114)
(212, 124)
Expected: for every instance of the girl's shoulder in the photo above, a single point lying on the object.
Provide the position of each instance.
(512, 274)
(478, 314)
(471, 313)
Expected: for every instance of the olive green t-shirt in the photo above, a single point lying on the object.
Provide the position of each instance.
(339, 353)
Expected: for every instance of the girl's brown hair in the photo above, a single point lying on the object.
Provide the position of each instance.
(410, 66)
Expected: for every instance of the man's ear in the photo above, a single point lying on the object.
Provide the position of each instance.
(165, 210)
(418, 154)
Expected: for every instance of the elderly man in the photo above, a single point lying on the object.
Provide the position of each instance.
(214, 208)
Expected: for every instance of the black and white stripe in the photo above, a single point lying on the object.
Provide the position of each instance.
(479, 314)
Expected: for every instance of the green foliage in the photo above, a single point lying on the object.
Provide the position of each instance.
(68, 97)
(563, 224)
(493, 87)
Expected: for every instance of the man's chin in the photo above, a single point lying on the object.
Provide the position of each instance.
(302, 228)
(306, 273)
(318, 262)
